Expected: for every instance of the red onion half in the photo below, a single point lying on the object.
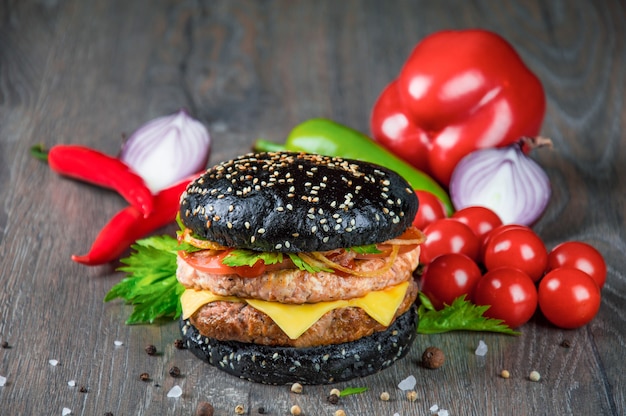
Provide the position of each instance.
(167, 149)
(504, 180)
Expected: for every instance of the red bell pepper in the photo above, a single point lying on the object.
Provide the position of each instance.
(459, 91)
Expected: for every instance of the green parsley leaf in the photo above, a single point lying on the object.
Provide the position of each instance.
(244, 257)
(461, 315)
(151, 285)
(352, 390)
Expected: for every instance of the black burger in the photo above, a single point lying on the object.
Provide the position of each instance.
(301, 267)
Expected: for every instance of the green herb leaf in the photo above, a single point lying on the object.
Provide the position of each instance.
(309, 267)
(461, 315)
(352, 390)
(244, 257)
(368, 249)
(151, 285)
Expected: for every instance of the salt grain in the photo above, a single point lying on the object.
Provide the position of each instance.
(481, 350)
(3, 381)
(434, 408)
(66, 411)
(53, 363)
(71, 383)
(176, 391)
(442, 412)
(408, 383)
(118, 343)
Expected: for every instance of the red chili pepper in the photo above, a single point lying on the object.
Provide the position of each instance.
(457, 92)
(129, 225)
(92, 166)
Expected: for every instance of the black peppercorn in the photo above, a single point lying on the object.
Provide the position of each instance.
(333, 399)
(204, 409)
(433, 357)
(83, 389)
(261, 410)
(180, 344)
(565, 343)
(175, 371)
(108, 414)
(5, 344)
(150, 350)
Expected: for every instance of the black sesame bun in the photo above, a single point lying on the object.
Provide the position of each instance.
(297, 202)
(313, 365)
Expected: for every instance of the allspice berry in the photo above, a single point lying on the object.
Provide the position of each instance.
(204, 409)
(433, 357)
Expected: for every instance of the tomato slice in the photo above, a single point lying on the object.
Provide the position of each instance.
(209, 261)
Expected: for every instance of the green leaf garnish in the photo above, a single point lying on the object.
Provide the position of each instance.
(151, 285)
(368, 249)
(305, 265)
(352, 390)
(461, 315)
(244, 257)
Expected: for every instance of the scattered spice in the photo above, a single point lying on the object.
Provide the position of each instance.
(534, 376)
(261, 410)
(180, 344)
(151, 350)
(204, 409)
(53, 363)
(340, 412)
(71, 383)
(5, 345)
(408, 383)
(482, 349)
(505, 374)
(295, 410)
(118, 343)
(565, 343)
(433, 358)
(296, 388)
(333, 398)
(239, 409)
(108, 414)
(83, 389)
(384, 396)
(411, 395)
(144, 377)
(174, 371)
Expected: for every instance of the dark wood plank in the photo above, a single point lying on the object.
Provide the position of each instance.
(88, 72)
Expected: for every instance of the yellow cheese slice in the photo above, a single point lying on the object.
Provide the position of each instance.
(294, 320)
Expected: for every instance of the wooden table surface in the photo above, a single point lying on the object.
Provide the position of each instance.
(87, 72)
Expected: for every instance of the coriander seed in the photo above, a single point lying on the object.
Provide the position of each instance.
(340, 412)
(296, 388)
(144, 377)
(534, 376)
(411, 395)
(336, 392)
(505, 374)
(384, 396)
(239, 409)
(295, 410)
(151, 349)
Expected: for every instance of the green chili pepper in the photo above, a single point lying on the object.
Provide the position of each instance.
(329, 138)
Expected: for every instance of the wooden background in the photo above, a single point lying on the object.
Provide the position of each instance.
(89, 71)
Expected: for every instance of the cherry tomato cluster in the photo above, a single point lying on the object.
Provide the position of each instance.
(507, 267)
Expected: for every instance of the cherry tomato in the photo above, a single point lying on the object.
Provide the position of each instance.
(429, 209)
(581, 256)
(480, 219)
(517, 247)
(511, 294)
(449, 276)
(568, 297)
(446, 236)
(485, 238)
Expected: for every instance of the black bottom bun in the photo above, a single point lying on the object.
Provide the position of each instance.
(314, 365)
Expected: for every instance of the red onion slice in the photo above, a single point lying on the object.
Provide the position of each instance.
(504, 180)
(167, 149)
